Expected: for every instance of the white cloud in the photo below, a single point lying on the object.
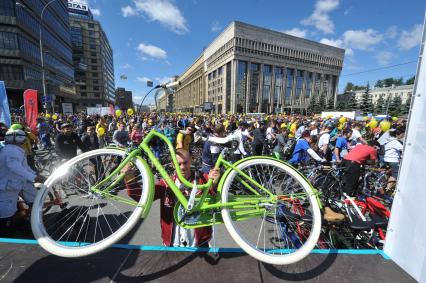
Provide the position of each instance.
(143, 79)
(151, 51)
(162, 11)
(297, 32)
(384, 57)
(338, 43)
(128, 11)
(411, 38)
(163, 80)
(96, 12)
(392, 32)
(363, 40)
(126, 66)
(320, 18)
(332, 42)
(216, 26)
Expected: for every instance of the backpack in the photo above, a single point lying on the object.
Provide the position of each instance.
(289, 148)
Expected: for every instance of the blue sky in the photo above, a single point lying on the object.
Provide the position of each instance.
(156, 39)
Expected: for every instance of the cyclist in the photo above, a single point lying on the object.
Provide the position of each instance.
(258, 139)
(16, 177)
(393, 151)
(67, 142)
(44, 133)
(360, 155)
(90, 139)
(171, 233)
(303, 149)
(211, 151)
(121, 136)
(341, 148)
(281, 139)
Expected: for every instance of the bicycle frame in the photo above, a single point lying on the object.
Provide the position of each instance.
(202, 204)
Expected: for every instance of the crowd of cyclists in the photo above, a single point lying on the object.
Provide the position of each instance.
(303, 141)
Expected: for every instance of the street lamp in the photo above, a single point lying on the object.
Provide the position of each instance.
(41, 52)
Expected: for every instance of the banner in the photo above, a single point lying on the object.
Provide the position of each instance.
(4, 106)
(31, 108)
(67, 108)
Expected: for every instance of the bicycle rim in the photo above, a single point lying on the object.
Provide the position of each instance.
(285, 230)
(81, 222)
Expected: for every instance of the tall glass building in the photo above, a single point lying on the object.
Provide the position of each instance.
(92, 58)
(251, 69)
(20, 64)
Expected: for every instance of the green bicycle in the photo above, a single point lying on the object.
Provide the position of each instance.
(270, 210)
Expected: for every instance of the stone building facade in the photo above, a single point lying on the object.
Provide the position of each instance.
(252, 69)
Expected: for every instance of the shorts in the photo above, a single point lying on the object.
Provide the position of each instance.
(394, 168)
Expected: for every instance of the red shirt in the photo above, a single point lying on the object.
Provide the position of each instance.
(361, 153)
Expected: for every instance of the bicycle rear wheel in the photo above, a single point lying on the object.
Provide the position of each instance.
(282, 228)
(81, 222)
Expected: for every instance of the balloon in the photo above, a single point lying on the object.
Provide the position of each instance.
(372, 124)
(342, 120)
(130, 111)
(385, 125)
(394, 118)
(54, 117)
(101, 131)
(329, 116)
(118, 112)
(48, 116)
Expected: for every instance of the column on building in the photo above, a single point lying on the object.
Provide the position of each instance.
(248, 87)
(272, 91)
(260, 89)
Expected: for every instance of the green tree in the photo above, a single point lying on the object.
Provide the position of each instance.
(399, 81)
(388, 82)
(366, 104)
(395, 106)
(410, 81)
(406, 106)
(340, 105)
(349, 86)
(351, 104)
(330, 103)
(313, 105)
(322, 102)
(380, 105)
(379, 83)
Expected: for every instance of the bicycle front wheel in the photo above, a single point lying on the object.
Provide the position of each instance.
(81, 221)
(284, 225)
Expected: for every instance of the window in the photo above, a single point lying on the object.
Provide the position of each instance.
(95, 88)
(94, 61)
(95, 75)
(91, 25)
(6, 8)
(92, 53)
(11, 72)
(8, 40)
(94, 68)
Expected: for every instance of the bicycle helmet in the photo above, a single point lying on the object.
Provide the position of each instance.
(16, 127)
(15, 136)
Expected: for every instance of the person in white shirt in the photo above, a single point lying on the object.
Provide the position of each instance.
(270, 132)
(16, 177)
(393, 151)
(323, 142)
(356, 137)
(241, 135)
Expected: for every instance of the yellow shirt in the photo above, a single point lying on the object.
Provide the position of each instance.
(184, 139)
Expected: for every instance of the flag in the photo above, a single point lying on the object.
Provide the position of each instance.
(31, 108)
(149, 84)
(4, 106)
(123, 77)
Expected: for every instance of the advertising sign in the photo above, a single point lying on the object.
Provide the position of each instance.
(4, 106)
(31, 108)
(67, 108)
(207, 106)
(75, 5)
